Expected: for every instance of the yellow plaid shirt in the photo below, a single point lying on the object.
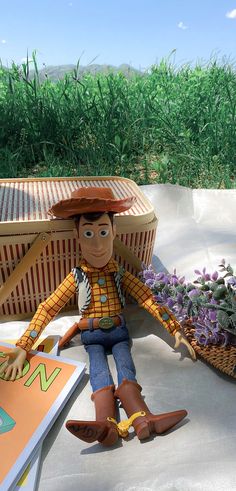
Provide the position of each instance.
(105, 301)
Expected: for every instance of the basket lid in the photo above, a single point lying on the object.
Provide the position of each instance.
(28, 200)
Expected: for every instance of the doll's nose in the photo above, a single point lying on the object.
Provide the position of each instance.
(97, 243)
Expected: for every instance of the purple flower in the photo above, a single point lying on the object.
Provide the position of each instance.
(213, 301)
(201, 335)
(174, 281)
(148, 274)
(164, 297)
(204, 335)
(203, 276)
(179, 298)
(159, 276)
(170, 302)
(171, 290)
(180, 313)
(212, 315)
(150, 282)
(194, 293)
(214, 276)
(232, 281)
(165, 279)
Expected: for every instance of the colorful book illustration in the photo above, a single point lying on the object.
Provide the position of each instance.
(29, 407)
(6, 422)
(48, 344)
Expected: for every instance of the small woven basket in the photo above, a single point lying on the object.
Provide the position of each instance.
(222, 358)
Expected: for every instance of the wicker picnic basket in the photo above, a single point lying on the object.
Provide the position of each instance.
(222, 358)
(36, 253)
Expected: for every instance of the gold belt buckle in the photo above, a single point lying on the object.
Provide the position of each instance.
(105, 322)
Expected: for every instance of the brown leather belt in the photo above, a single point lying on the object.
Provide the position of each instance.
(99, 322)
(90, 323)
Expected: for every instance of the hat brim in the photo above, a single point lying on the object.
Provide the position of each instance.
(78, 206)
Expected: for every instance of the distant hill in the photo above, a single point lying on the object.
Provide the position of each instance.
(55, 73)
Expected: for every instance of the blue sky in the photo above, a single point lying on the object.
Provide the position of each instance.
(138, 32)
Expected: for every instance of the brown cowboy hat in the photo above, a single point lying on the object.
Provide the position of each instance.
(90, 200)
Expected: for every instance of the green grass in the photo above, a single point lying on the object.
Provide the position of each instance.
(174, 124)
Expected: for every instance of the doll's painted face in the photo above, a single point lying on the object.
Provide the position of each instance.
(96, 240)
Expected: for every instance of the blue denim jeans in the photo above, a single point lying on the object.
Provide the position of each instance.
(98, 343)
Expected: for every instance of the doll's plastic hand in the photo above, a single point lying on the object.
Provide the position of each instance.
(179, 338)
(13, 364)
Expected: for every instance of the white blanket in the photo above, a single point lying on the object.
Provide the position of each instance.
(196, 228)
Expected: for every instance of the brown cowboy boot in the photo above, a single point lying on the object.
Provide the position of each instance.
(102, 430)
(129, 393)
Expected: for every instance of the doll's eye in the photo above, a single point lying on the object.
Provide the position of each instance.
(89, 234)
(104, 233)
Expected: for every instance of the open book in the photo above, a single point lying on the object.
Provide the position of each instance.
(28, 408)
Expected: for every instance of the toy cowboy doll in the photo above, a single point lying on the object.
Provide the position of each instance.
(101, 285)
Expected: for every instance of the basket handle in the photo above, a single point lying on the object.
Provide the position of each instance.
(24, 265)
(127, 254)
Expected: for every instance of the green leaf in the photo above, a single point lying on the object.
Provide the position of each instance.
(233, 320)
(124, 144)
(180, 289)
(230, 270)
(230, 329)
(117, 141)
(233, 300)
(223, 319)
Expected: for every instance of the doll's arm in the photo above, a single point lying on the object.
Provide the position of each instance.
(145, 299)
(46, 311)
(14, 360)
(179, 338)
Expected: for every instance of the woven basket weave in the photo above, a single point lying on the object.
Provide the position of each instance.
(222, 358)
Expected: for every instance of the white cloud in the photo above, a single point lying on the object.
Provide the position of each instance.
(231, 14)
(181, 25)
(3, 41)
(24, 60)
